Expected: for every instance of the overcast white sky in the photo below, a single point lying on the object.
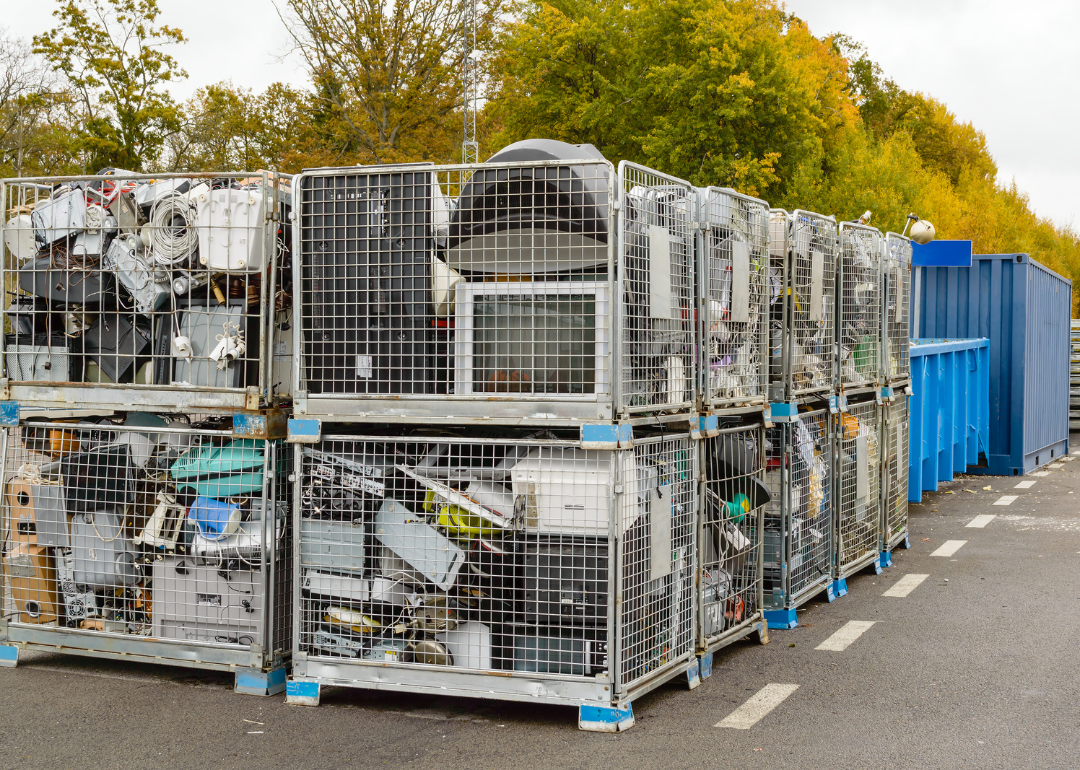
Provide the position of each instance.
(1008, 67)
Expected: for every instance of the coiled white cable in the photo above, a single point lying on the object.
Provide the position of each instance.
(172, 243)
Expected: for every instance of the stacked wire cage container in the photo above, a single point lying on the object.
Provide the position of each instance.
(799, 520)
(858, 488)
(528, 528)
(148, 538)
(128, 291)
(803, 270)
(147, 532)
(550, 291)
(859, 316)
(896, 321)
(520, 569)
(895, 438)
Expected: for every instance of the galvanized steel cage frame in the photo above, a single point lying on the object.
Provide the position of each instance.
(733, 292)
(262, 550)
(895, 445)
(636, 204)
(859, 307)
(858, 516)
(797, 242)
(626, 676)
(256, 388)
(803, 545)
(731, 613)
(896, 309)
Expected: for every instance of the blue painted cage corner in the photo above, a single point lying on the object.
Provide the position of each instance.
(1024, 310)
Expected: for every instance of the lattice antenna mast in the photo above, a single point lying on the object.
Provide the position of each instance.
(470, 147)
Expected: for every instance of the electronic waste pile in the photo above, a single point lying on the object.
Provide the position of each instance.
(536, 428)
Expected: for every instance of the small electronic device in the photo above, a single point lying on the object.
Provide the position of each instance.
(38, 514)
(32, 579)
(427, 550)
(231, 229)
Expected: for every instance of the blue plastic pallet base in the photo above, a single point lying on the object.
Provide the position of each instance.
(302, 693)
(9, 656)
(840, 587)
(705, 665)
(598, 719)
(877, 564)
(693, 674)
(885, 557)
(782, 619)
(252, 681)
(907, 542)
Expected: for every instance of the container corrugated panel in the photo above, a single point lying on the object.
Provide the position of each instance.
(1024, 310)
(949, 410)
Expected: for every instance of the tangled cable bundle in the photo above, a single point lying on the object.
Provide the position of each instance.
(173, 237)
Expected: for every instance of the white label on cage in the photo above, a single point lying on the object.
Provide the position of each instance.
(862, 474)
(370, 486)
(817, 276)
(897, 291)
(325, 471)
(208, 600)
(659, 272)
(364, 367)
(740, 282)
(660, 533)
(281, 348)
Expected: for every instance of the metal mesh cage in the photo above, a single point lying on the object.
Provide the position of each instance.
(858, 486)
(730, 539)
(895, 433)
(896, 324)
(860, 319)
(803, 268)
(433, 292)
(147, 537)
(452, 557)
(798, 541)
(734, 281)
(163, 291)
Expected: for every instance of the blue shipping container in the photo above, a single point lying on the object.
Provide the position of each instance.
(1024, 310)
(948, 410)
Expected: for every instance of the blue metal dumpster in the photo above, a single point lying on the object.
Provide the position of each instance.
(949, 410)
(1024, 310)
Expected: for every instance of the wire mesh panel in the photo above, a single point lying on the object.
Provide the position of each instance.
(896, 324)
(858, 486)
(656, 284)
(128, 289)
(432, 292)
(453, 557)
(802, 295)
(895, 436)
(861, 253)
(798, 542)
(734, 283)
(730, 542)
(147, 530)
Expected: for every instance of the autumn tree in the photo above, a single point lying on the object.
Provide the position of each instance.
(390, 72)
(109, 53)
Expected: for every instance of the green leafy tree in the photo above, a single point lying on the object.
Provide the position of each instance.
(110, 54)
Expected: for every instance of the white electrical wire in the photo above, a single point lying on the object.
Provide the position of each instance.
(173, 243)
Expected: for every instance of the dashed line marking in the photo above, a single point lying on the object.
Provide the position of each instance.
(1025, 485)
(949, 547)
(761, 703)
(1038, 473)
(847, 634)
(905, 585)
(981, 520)
(1006, 500)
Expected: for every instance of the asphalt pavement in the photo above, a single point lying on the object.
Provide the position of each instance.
(972, 666)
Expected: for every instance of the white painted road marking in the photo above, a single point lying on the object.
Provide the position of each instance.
(1006, 500)
(1025, 485)
(843, 638)
(949, 548)
(761, 703)
(905, 585)
(1038, 473)
(981, 520)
